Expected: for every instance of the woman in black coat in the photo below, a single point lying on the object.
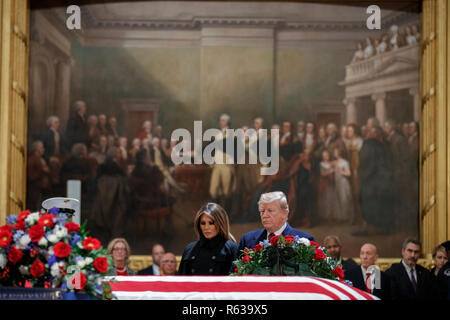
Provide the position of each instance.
(216, 249)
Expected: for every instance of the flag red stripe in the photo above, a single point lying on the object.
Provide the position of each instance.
(165, 286)
(364, 294)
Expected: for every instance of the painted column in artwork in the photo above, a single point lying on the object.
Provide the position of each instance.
(350, 104)
(380, 106)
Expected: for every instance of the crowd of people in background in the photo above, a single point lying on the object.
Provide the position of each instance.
(116, 178)
(395, 39)
(362, 175)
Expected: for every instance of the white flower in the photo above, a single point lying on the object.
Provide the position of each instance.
(25, 240)
(55, 270)
(88, 260)
(50, 251)
(81, 264)
(304, 241)
(3, 260)
(24, 270)
(32, 218)
(60, 232)
(53, 238)
(43, 242)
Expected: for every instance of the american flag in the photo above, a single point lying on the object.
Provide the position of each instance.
(232, 288)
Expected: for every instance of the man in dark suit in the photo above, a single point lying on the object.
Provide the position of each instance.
(333, 246)
(157, 252)
(54, 142)
(368, 277)
(77, 128)
(408, 279)
(274, 211)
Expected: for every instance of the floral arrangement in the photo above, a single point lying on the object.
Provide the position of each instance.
(47, 250)
(288, 255)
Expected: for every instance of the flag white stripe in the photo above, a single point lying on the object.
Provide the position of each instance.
(150, 295)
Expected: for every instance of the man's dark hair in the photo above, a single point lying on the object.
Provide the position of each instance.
(411, 240)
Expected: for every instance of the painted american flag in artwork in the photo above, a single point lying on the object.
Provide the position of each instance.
(232, 288)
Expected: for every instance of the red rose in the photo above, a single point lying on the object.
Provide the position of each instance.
(72, 227)
(274, 240)
(46, 220)
(36, 232)
(79, 281)
(101, 264)
(91, 243)
(37, 269)
(14, 255)
(61, 250)
(319, 255)
(289, 239)
(5, 238)
(6, 227)
(22, 216)
(246, 258)
(338, 272)
(314, 243)
(236, 270)
(20, 225)
(258, 247)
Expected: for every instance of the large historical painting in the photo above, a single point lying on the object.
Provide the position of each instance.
(106, 98)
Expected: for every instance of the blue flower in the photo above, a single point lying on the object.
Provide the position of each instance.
(78, 258)
(348, 282)
(18, 235)
(76, 238)
(266, 243)
(54, 211)
(98, 288)
(11, 219)
(51, 260)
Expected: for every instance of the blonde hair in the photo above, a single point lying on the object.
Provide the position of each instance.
(113, 242)
(275, 195)
(437, 249)
(220, 218)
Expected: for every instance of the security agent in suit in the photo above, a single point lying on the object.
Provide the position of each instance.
(410, 281)
(368, 277)
(153, 270)
(274, 210)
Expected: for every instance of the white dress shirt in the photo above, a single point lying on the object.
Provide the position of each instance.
(279, 231)
(408, 271)
(372, 278)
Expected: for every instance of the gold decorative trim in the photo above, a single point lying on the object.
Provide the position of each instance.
(19, 34)
(431, 149)
(426, 42)
(17, 89)
(16, 143)
(428, 96)
(16, 200)
(431, 202)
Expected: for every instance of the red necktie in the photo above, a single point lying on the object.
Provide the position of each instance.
(368, 284)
